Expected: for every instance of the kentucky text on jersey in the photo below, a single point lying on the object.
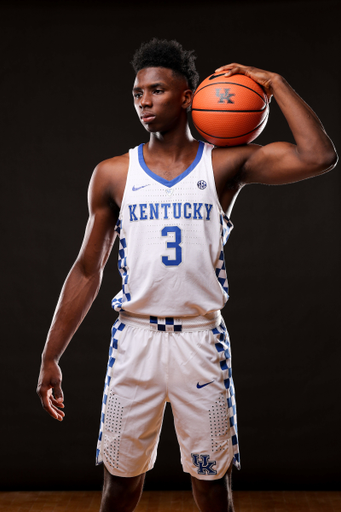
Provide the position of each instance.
(150, 211)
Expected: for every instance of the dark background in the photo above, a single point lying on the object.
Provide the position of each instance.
(66, 104)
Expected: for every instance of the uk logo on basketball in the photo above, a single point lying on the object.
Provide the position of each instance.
(203, 463)
(202, 184)
(224, 96)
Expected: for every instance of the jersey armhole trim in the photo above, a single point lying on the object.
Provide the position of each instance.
(131, 158)
(210, 147)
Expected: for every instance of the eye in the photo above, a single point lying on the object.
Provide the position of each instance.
(137, 95)
(158, 91)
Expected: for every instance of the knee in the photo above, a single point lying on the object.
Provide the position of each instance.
(121, 494)
(213, 494)
(209, 486)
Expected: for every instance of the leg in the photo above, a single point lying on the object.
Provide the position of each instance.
(213, 494)
(121, 494)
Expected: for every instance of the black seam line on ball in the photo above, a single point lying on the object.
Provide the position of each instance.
(235, 137)
(227, 111)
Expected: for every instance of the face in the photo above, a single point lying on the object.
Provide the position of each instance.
(161, 98)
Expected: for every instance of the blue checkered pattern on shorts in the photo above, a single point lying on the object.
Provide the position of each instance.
(116, 330)
(124, 296)
(226, 227)
(224, 350)
(167, 324)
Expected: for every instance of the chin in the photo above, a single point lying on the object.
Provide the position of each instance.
(151, 129)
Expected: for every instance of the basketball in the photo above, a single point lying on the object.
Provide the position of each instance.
(229, 111)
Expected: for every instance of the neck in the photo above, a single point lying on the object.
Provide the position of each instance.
(170, 142)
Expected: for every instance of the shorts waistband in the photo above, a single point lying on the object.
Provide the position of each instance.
(172, 324)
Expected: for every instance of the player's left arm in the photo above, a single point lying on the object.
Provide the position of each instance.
(282, 162)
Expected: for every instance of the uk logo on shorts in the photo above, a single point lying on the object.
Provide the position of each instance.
(202, 184)
(203, 463)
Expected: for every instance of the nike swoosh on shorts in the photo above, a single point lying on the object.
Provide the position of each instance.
(199, 386)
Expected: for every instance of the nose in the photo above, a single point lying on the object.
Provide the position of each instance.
(145, 100)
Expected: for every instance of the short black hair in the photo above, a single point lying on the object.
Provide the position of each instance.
(167, 54)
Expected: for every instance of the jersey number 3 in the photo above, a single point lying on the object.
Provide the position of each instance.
(175, 244)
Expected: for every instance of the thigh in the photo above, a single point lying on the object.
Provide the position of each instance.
(202, 397)
(133, 403)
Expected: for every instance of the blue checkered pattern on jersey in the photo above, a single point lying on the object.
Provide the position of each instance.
(226, 227)
(165, 324)
(224, 350)
(116, 330)
(124, 296)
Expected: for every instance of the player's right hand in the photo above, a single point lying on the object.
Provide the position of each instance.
(50, 391)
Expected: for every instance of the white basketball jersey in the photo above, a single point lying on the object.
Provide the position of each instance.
(172, 235)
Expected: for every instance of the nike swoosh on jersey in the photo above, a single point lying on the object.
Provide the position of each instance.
(199, 386)
(138, 188)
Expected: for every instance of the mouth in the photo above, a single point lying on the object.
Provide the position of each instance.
(147, 117)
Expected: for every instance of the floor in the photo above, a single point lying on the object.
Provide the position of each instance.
(171, 501)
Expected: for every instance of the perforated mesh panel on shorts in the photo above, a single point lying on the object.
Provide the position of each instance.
(113, 424)
(219, 423)
(114, 414)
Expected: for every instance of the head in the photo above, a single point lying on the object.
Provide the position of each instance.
(165, 81)
(167, 54)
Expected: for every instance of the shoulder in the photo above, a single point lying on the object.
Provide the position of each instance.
(112, 168)
(109, 178)
(229, 163)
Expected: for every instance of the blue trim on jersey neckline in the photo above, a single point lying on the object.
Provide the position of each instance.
(181, 176)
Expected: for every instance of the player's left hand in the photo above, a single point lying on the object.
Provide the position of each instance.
(262, 77)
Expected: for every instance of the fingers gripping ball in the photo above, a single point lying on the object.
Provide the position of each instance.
(229, 111)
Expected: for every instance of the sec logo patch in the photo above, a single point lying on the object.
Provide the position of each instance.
(202, 184)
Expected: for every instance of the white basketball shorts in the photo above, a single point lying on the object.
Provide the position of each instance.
(184, 361)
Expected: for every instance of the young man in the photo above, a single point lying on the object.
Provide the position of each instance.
(168, 201)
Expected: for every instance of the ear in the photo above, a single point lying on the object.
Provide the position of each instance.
(187, 98)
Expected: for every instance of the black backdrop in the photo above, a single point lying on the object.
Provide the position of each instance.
(66, 104)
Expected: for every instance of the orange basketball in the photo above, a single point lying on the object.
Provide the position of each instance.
(229, 111)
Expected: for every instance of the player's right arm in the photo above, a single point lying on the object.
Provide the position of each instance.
(84, 279)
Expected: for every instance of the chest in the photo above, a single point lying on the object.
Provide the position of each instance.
(168, 170)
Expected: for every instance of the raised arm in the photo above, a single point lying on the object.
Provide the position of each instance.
(282, 162)
(83, 281)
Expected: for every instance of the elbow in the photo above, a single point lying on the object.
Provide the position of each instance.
(321, 162)
(334, 159)
(87, 271)
(328, 160)
(328, 156)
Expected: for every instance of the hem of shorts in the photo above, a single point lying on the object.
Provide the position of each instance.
(124, 474)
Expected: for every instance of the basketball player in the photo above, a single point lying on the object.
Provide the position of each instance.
(169, 201)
